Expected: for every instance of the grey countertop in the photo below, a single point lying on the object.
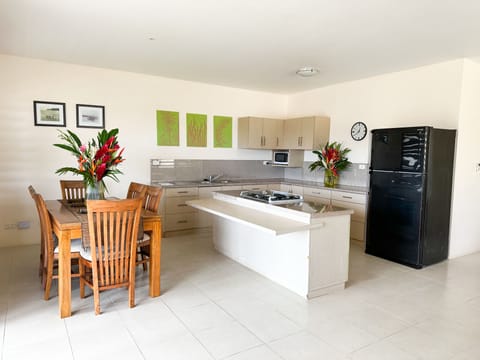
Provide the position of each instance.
(312, 208)
(226, 182)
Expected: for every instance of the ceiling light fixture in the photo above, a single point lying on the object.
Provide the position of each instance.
(307, 71)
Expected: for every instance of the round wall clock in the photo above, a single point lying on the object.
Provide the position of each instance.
(358, 131)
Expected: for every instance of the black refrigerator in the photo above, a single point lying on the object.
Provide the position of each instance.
(410, 190)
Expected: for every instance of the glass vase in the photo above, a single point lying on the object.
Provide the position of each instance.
(95, 191)
(330, 179)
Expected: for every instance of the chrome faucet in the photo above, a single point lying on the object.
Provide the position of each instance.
(212, 178)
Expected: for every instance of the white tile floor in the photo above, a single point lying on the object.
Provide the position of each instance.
(214, 308)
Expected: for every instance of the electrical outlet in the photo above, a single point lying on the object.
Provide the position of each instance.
(22, 225)
(362, 166)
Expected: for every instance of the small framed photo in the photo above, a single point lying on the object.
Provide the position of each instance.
(90, 116)
(49, 113)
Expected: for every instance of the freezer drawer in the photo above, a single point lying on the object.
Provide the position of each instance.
(395, 217)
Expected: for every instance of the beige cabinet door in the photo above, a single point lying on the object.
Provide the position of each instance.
(307, 133)
(250, 133)
(272, 133)
(259, 133)
(292, 131)
(255, 133)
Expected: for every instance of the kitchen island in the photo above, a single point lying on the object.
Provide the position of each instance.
(302, 246)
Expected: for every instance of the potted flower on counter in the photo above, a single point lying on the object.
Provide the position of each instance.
(332, 158)
(97, 160)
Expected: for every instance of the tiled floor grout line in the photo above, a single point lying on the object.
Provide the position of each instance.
(243, 325)
(68, 337)
(187, 328)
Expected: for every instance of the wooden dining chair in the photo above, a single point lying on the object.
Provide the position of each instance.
(50, 250)
(151, 202)
(112, 230)
(73, 190)
(32, 192)
(136, 190)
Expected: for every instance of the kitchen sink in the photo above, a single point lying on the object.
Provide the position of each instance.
(216, 182)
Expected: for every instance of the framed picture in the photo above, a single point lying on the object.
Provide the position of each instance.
(90, 116)
(49, 113)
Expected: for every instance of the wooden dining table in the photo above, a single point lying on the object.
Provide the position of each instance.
(67, 226)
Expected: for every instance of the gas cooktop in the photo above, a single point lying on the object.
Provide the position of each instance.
(272, 196)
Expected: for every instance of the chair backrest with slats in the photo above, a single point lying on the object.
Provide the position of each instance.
(73, 189)
(152, 198)
(113, 228)
(136, 190)
(48, 244)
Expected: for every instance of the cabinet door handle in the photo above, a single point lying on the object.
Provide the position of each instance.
(277, 140)
(346, 197)
(182, 192)
(182, 205)
(182, 221)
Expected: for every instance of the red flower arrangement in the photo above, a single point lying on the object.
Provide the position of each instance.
(96, 160)
(333, 159)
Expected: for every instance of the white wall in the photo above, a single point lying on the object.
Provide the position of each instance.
(465, 229)
(28, 157)
(423, 96)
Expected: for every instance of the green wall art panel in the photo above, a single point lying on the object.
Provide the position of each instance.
(167, 128)
(196, 130)
(222, 131)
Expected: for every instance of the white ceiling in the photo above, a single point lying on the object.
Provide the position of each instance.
(252, 44)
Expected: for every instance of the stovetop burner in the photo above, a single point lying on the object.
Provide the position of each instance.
(272, 196)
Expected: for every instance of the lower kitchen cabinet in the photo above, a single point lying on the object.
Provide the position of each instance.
(317, 194)
(354, 201)
(177, 214)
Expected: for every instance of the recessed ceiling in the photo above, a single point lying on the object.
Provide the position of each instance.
(252, 44)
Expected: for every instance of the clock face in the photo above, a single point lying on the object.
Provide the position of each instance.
(358, 131)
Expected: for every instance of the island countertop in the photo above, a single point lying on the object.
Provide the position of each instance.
(307, 208)
(277, 219)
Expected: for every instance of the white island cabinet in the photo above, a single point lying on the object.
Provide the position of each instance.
(304, 246)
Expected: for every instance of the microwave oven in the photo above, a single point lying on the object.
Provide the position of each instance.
(287, 158)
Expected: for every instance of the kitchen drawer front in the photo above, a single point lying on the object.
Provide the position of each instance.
(182, 192)
(254, 187)
(180, 221)
(349, 197)
(358, 209)
(317, 192)
(176, 205)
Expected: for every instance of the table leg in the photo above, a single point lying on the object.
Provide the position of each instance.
(155, 256)
(64, 275)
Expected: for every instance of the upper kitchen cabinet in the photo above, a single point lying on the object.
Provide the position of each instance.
(306, 133)
(260, 133)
